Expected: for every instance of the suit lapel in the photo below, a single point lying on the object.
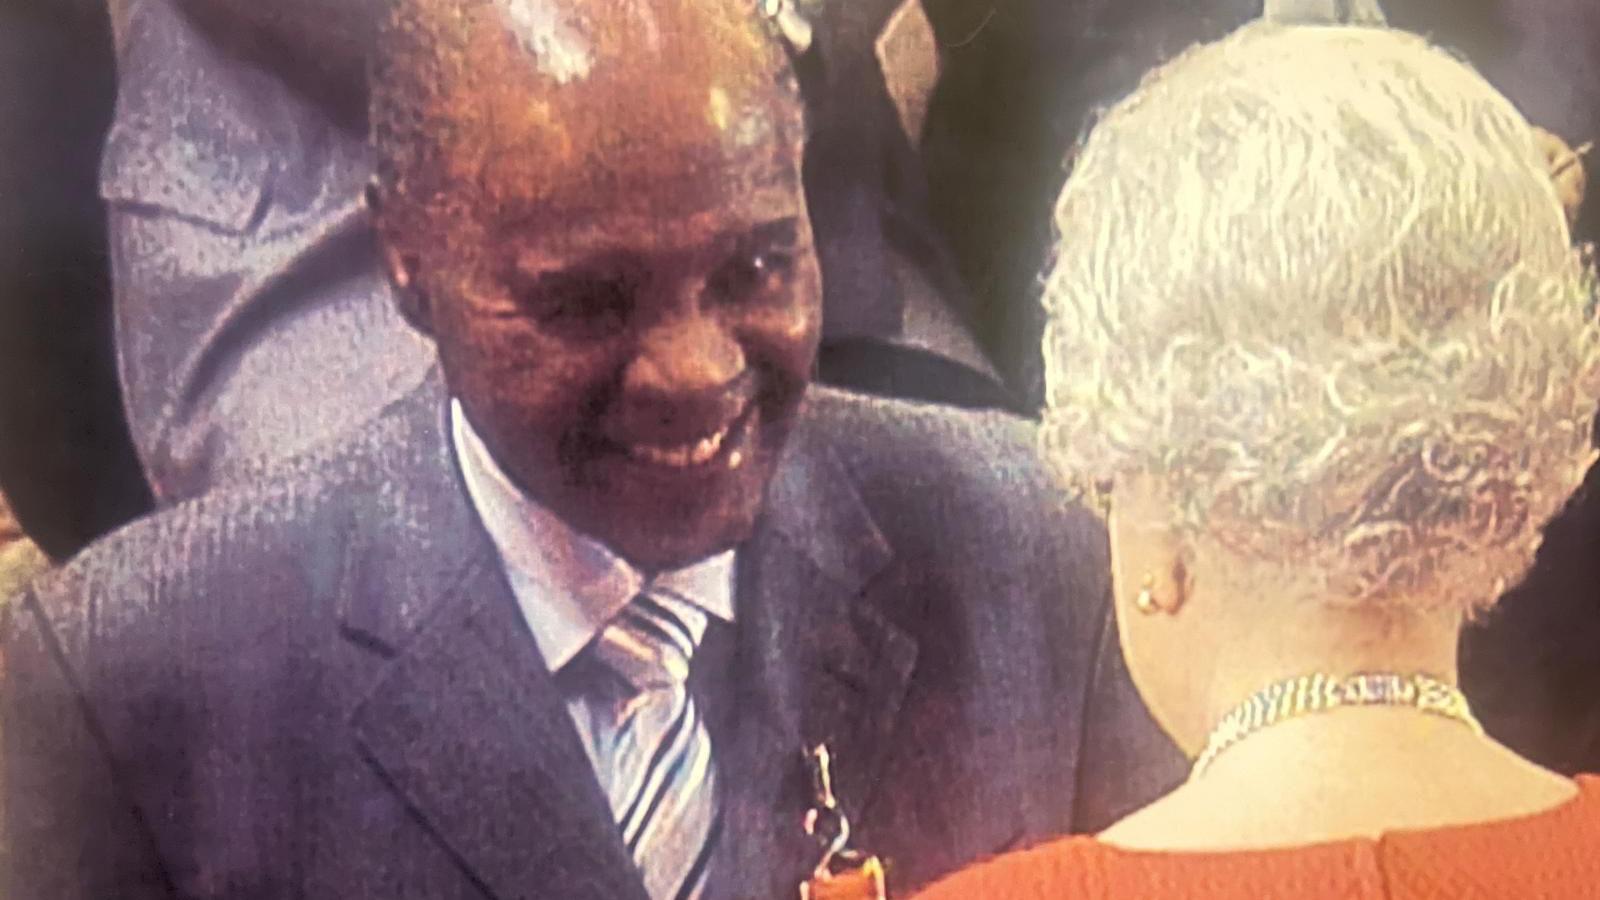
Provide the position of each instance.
(468, 728)
(817, 661)
(464, 722)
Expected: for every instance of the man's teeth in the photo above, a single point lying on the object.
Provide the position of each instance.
(696, 454)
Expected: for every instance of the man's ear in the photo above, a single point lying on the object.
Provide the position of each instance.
(399, 265)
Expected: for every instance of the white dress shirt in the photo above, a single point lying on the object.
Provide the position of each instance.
(567, 584)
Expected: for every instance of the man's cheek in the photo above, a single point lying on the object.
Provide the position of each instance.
(788, 338)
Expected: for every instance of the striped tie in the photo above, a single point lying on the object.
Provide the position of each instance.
(660, 779)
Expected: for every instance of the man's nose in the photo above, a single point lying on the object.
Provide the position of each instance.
(691, 354)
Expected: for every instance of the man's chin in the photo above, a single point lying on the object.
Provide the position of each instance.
(681, 542)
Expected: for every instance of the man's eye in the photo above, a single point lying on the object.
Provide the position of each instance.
(751, 275)
(590, 304)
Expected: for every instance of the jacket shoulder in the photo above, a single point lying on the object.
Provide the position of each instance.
(194, 576)
(235, 564)
(976, 475)
(870, 431)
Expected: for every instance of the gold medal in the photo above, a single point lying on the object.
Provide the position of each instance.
(842, 873)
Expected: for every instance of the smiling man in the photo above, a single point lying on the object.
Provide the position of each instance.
(603, 228)
(561, 623)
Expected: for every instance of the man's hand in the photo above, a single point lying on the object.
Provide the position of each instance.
(20, 558)
(908, 53)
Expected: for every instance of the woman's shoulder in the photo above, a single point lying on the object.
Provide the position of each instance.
(1066, 867)
(1546, 854)
(1091, 869)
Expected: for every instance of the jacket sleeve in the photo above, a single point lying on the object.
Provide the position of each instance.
(66, 830)
(1125, 760)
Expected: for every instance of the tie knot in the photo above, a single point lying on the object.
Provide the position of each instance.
(652, 640)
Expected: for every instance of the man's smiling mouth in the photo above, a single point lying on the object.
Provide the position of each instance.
(683, 455)
(699, 452)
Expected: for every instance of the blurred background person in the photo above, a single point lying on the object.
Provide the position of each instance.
(1318, 337)
(252, 318)
(893, 319)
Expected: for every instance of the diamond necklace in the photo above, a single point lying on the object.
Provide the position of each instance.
(1296, 697)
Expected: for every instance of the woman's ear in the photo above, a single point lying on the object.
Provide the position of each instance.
(1182, 577)
(399, 265)
(1152, 562)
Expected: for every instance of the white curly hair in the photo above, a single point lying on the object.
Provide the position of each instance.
(1316, 280)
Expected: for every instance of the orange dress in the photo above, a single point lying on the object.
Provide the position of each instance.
(1553, 855)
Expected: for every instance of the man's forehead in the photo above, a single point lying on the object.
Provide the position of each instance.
(546, 239)
(611, 96)
(615, 192)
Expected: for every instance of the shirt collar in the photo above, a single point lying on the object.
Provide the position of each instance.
(568, 584)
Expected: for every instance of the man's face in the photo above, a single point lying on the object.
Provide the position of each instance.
(632, 343)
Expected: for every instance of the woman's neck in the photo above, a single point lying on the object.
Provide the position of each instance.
(1353, 772)
(1265, 643)
(1335, 774)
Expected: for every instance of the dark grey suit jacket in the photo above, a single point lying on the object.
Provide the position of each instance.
(321, 686)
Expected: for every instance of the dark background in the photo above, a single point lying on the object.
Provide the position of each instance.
(66, 461)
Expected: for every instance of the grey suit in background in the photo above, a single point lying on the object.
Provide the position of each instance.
(320, 685)
(253, 321)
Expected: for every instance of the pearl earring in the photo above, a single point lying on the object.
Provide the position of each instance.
(1146, 601)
